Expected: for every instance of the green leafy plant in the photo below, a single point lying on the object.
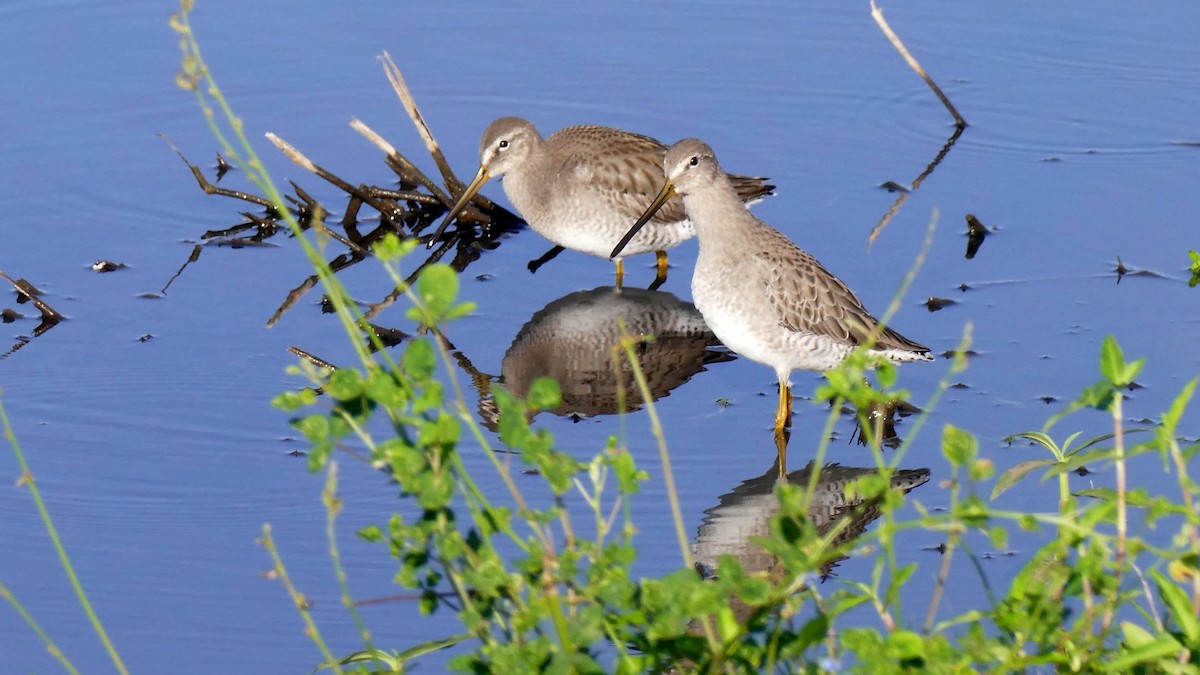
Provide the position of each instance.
(537, 588)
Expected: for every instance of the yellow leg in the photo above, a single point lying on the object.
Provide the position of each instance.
(620, 271)
(661, 277)
(781, 443)
(783, 413)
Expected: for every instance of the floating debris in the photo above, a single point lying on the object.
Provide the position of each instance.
(1052, 159)
(951, 353)
(27, 292)
(10, 315)
(318, 362)
(103, 266)
(388, 337)
(145, 338)
(223, 167)
(933, 304)
(960, 385)
(893, 186)
(976, 233)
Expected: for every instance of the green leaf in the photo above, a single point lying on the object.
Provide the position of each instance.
(1112, 361)
(905, 645)
(960, 447)
(1181, 607)
(812, 632)
(1171, 418)
(1149, 649)
(544, 394)
(419, 360)
(344, 383)
(1014, 475)
(437, 288)
(392, 247)
(371, 533)
(294, 400)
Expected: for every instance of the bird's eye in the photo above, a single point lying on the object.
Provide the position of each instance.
(694, 161)
(503, 145)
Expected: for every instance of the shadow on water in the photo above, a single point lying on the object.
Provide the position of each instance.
(575, 341)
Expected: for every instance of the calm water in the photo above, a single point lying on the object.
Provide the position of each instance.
(161, 458)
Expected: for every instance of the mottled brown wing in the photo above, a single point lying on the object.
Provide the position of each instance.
(807, 298)
(626, 168)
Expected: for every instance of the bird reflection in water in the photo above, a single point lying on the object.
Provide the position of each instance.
(572, 340)
(743, 515)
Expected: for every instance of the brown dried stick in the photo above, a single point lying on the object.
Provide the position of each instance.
(25, 288)
(316, 361)
(411, 172)
(453, 184)
(877, 14)
(299, 158)
(211, 189)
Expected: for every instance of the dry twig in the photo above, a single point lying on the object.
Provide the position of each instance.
(877, 14)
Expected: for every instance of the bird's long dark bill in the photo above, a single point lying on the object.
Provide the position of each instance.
(663, 197)
(477, 183)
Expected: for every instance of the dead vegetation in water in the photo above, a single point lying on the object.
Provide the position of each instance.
(28, 293)
(406, 207)
(960, 124)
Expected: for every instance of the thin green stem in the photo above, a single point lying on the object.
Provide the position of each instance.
(298, 599)
(197, 77)
(1122, 515)
(627, 345)
(664, 455)
(36, 628)
(28, 480)
(333, 507)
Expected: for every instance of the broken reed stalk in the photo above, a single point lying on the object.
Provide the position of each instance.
(26, 289)
(300, 159)
(409, 171)
(877, 14)
(316, 361)
(453, 184)
(210, 189)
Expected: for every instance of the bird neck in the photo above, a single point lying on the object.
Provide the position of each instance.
(716, 211)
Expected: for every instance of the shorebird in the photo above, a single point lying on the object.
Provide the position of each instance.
(764, 297)
(580, 187)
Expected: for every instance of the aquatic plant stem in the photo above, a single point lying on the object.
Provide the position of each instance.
(298, 599)
(656, 429)
(627, 344)
(197, 78)
(333, 507)
(28, 480)
(36, 628)
(1122, 515)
